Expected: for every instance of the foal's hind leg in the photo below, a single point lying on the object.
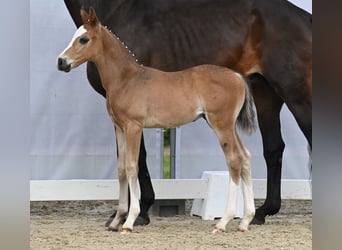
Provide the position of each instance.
(235, 158)
(231, 206)
(247, 190)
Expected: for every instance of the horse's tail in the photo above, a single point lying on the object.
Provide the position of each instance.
(246, 119)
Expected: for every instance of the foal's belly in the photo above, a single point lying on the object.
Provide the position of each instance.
(171, 117)
(172, 113)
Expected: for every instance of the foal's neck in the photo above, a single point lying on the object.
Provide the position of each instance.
(115, 63)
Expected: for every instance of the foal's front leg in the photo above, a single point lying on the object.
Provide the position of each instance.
(123, 196)
(132, 135)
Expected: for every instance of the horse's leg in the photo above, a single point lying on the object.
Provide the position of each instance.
(123, 196)
(302, 111)
(300, 105)
(247, 189)
(147, 193)
(268, 105)
(132, 136)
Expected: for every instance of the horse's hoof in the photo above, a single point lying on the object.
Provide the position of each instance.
(241, 230)
(126, 231)
(111, 218)
(113, 229)
(217, 230)
(142, 220)
(258, 220)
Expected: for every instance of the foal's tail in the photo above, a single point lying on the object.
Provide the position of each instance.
(246, 118)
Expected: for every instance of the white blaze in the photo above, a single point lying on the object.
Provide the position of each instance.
(81, 30)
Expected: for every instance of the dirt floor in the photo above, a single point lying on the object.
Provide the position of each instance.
(80, 225)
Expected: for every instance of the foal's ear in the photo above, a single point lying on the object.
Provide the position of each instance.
(84, 15)
(89, 18)
(92, 16)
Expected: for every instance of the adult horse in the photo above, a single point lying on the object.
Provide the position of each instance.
(270, 42)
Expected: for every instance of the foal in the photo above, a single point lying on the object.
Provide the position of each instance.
(139, 96)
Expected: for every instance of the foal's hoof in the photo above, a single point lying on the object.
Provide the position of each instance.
(141, 220)
(126, 231)
(111, 218)
(218, 230)
(113, 229)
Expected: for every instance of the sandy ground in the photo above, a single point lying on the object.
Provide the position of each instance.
(80, 225)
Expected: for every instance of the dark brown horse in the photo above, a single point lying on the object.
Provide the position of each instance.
(270, 42)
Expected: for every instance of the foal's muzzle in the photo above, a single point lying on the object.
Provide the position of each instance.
(63, 65)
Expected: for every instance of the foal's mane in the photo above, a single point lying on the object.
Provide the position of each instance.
(90, 19)
(123, 44)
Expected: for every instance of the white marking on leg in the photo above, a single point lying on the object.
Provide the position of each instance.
(230, 207)
(134, 209)
(248, 197)
(249, 208)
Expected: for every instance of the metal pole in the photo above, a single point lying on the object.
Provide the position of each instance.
(161, 163)
(173, 153)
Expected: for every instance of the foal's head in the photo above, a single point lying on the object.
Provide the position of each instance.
(84, 45)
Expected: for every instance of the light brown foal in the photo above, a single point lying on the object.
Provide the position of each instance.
(139, 96)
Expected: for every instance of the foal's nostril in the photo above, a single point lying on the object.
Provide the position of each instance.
(60, 61)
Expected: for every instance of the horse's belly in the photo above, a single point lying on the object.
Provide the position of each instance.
(169, 118)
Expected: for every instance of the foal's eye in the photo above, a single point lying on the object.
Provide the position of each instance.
(84, 40)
